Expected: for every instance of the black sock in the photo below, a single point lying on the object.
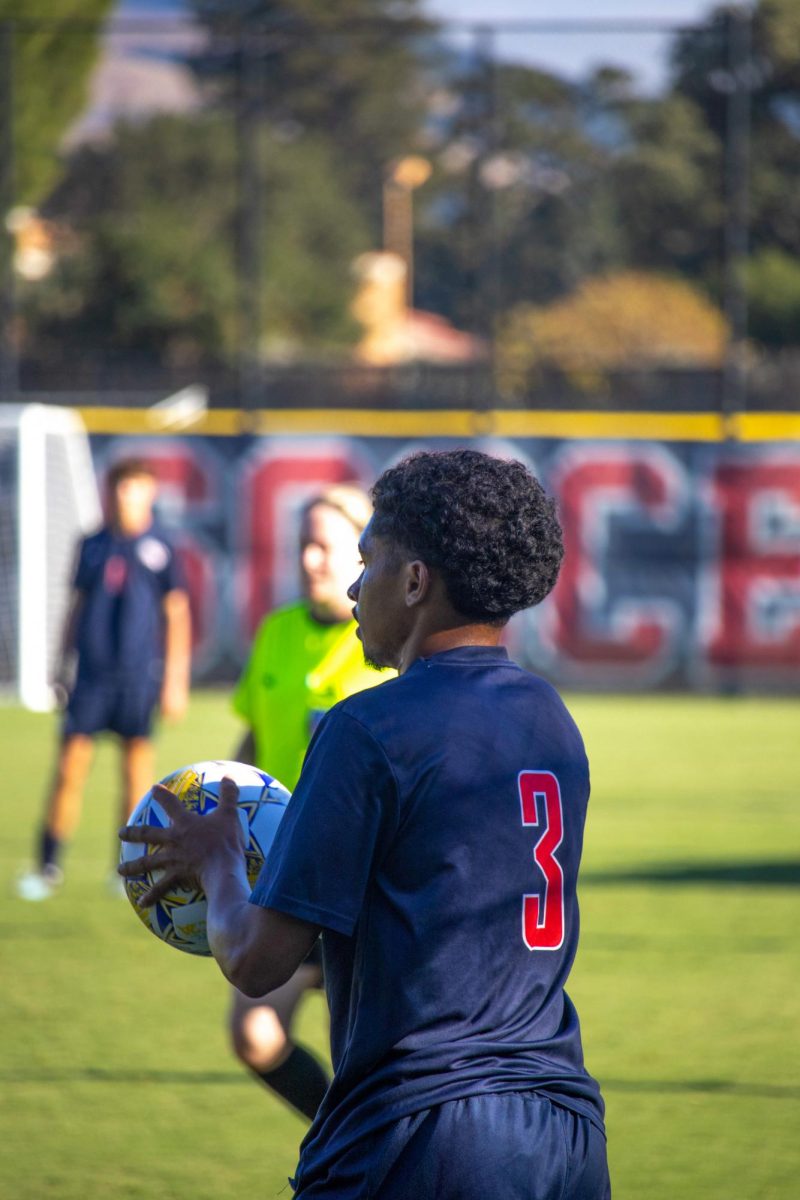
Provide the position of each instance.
(49, 849)
(300, 1079)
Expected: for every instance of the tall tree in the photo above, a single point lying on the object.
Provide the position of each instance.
(761, 61)
(345, 71)
(518, 209)
(151, 265)
(666, 178)
(53, 47)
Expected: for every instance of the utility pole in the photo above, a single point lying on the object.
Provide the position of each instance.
(737, 205)
(249, 248)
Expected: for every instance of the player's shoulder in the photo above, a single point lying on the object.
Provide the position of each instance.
(371, 717)
(552, 712)
(536, 683)
(370, 704)
(94, 548)
(97, 538)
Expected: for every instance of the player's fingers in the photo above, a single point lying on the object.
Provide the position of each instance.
(140, 866)
(228, 792)
(152, 835)
(168, 882)
(168, 801)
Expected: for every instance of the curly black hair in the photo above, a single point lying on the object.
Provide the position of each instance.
(484, 523)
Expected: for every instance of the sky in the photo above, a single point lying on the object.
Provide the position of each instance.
(572, 53)
(575, 53)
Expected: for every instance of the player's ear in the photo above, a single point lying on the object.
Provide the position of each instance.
(418, 582)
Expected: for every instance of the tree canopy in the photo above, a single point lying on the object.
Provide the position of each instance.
(49, 81)
(153, 258)
(628, 320)
(543, 191)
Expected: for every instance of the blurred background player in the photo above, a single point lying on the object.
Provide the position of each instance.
(126, 651)
(305, 658)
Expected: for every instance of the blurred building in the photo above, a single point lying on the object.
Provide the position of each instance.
(394, 333)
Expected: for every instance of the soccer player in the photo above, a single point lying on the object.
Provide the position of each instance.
(304, 659)
(125, 652)
(434, 837)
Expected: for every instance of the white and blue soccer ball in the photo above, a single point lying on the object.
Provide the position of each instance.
(179, 918)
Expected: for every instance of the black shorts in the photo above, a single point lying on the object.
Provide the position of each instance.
(514, 1145)
(126, 707)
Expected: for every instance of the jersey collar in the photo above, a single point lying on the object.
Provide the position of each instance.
(468, 655)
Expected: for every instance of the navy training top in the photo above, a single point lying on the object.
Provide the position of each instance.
(123, 581)
(435, 835)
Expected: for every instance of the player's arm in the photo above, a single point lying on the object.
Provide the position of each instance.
(177, 653)
(256, 948)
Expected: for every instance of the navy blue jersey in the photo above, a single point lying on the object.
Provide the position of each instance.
(123, 582)
(435, 835)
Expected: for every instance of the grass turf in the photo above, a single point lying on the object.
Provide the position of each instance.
(115, 1075)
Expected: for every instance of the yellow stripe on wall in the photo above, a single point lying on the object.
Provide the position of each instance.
(766, 427)
(675, 427)
(219, 422)
(456, 423)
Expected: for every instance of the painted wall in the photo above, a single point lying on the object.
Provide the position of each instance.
(682, 565)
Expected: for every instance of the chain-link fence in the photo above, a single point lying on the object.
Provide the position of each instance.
(385, 212)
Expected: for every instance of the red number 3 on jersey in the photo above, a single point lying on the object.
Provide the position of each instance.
(543, 916)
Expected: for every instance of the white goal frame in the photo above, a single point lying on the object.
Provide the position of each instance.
(43, 585)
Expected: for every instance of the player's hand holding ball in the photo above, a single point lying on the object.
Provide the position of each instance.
(180, 851)
(202, 817)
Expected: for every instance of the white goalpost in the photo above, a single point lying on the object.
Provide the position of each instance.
(48, 499)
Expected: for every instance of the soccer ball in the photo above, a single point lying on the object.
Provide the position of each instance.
(179, 918)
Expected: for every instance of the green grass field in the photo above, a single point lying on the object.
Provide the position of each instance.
(116, 1079)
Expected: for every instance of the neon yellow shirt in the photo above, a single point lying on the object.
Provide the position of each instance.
(296, 671)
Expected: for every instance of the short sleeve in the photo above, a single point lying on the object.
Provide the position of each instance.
(342, 815)
(173, 577)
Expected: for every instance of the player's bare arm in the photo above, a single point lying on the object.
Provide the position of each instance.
(177, 654)
(257, 949)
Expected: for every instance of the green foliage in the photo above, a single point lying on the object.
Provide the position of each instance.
(345, 72)
(153, 260)
(116, 1078)
(626, 320)
(662, 178)
(771, 73)
(50, 78)
(522, 184)
(773, 292)
(538, 182)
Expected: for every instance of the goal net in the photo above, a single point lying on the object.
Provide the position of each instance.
(48, 499)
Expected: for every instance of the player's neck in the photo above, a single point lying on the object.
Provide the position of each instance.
(436, 641)
(130, 528)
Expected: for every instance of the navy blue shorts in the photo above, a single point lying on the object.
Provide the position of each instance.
(126, 707)
(498, 1146)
